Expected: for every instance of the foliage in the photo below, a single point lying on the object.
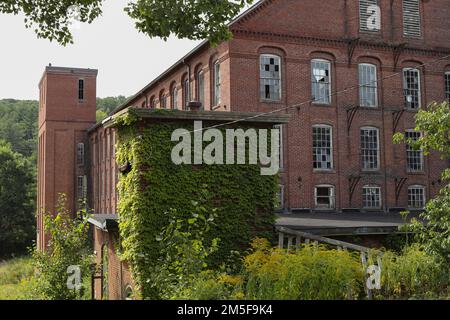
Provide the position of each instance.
(434, 123)
(108, 104)
(16, 201)
(14, 275)
(200, 19)
(67, 246)
(413, 274)
(51, 19)
(310, 273)
(244, 199)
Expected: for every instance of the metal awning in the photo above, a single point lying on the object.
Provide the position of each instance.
(105, 222)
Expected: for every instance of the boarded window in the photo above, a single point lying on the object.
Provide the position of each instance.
(411, 18)
(270, 77)
(369, 15)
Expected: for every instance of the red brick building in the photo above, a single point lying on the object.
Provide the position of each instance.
(348, 78)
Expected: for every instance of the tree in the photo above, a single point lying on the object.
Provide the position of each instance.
(192, 19)
(16, 201)
(434, 233)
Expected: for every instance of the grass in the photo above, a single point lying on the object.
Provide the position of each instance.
(13, 274)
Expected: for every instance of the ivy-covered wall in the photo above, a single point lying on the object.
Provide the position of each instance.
(244, 198)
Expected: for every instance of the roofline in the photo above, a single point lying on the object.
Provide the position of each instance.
(183, 59)
(67, 70)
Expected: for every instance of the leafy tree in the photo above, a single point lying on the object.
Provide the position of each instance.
(16, 201)
(192, 19)
(68, 246)
(108, 104)
(434, 123)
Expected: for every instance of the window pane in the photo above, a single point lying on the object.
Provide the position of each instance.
(369, 149)
(416, 197)
(414, 158)
(322, 148)
(321, 86)
(270, 77)
(368, 85)
(411, 88)
(372, 197)
(217, 83)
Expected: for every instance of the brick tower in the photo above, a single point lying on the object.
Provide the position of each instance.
(67, 109)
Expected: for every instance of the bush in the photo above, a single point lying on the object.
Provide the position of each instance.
(413, 274)
(310, 273)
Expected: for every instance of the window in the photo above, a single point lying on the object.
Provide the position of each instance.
(162, 101)
(321, 84)
(447, 86)
(370, 148)
(81, 89)
(174, 97)
(281, 159)
(270, 77)
(152, 102)
(371, 197)
(368, 85)
(411, 18)
(322, 147)
(186, 93)
(217, 83)
(414, 158)
(280, 197)
(201, 88)
(411, 88)
(80, 154)
(81, 187)
(369, 15)
(325, 197)
(416, 197)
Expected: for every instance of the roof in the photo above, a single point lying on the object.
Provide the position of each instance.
(105, 222)
(181, 61)
(69, 70)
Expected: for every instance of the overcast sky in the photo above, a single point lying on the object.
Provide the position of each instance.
(126, 59)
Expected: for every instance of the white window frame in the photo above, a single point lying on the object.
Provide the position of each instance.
(332, 197)
(201, 87)
(280, 195)
(364, 156)
(281, 128)
(407, 90)
(186, 93)
(217, 84)
(366, 86)
(315, 85)
(447, 85)
(424, 197)
(330, 128)
(365, 200)
(410, 151)
(263, 79)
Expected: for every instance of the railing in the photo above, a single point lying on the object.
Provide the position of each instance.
(296, 238)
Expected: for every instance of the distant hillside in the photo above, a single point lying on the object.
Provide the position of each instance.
(18, 121)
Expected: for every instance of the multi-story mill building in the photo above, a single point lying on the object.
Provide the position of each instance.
(350, 74)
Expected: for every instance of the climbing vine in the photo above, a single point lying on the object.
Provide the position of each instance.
(244, 199)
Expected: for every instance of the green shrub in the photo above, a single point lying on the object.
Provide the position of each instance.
(413, 274)
(13, 271)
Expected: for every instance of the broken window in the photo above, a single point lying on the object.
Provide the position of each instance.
(416, 197)
(324, 197)
(414, 157)
(371, 197)
(370, 148)
(368, 85)
(411, 18)
(321, 84)
(411, 88)
(270, 77)
(322, 147)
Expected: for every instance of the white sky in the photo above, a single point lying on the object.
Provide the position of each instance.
(126, 59)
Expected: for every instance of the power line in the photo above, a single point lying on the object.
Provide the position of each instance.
(298, 105)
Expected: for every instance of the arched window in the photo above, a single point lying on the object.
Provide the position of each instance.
(216, 83)
(162, 100)
(174, 99)
(201, 88)
(128, 292)
(371, 197)
(186, 93)
(321, 81)
(322, 147)
(416, 197)
(152, 102)
(270, 77)
(367, 85)
(411, 88)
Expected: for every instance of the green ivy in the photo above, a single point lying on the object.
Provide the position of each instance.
(244, 199)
